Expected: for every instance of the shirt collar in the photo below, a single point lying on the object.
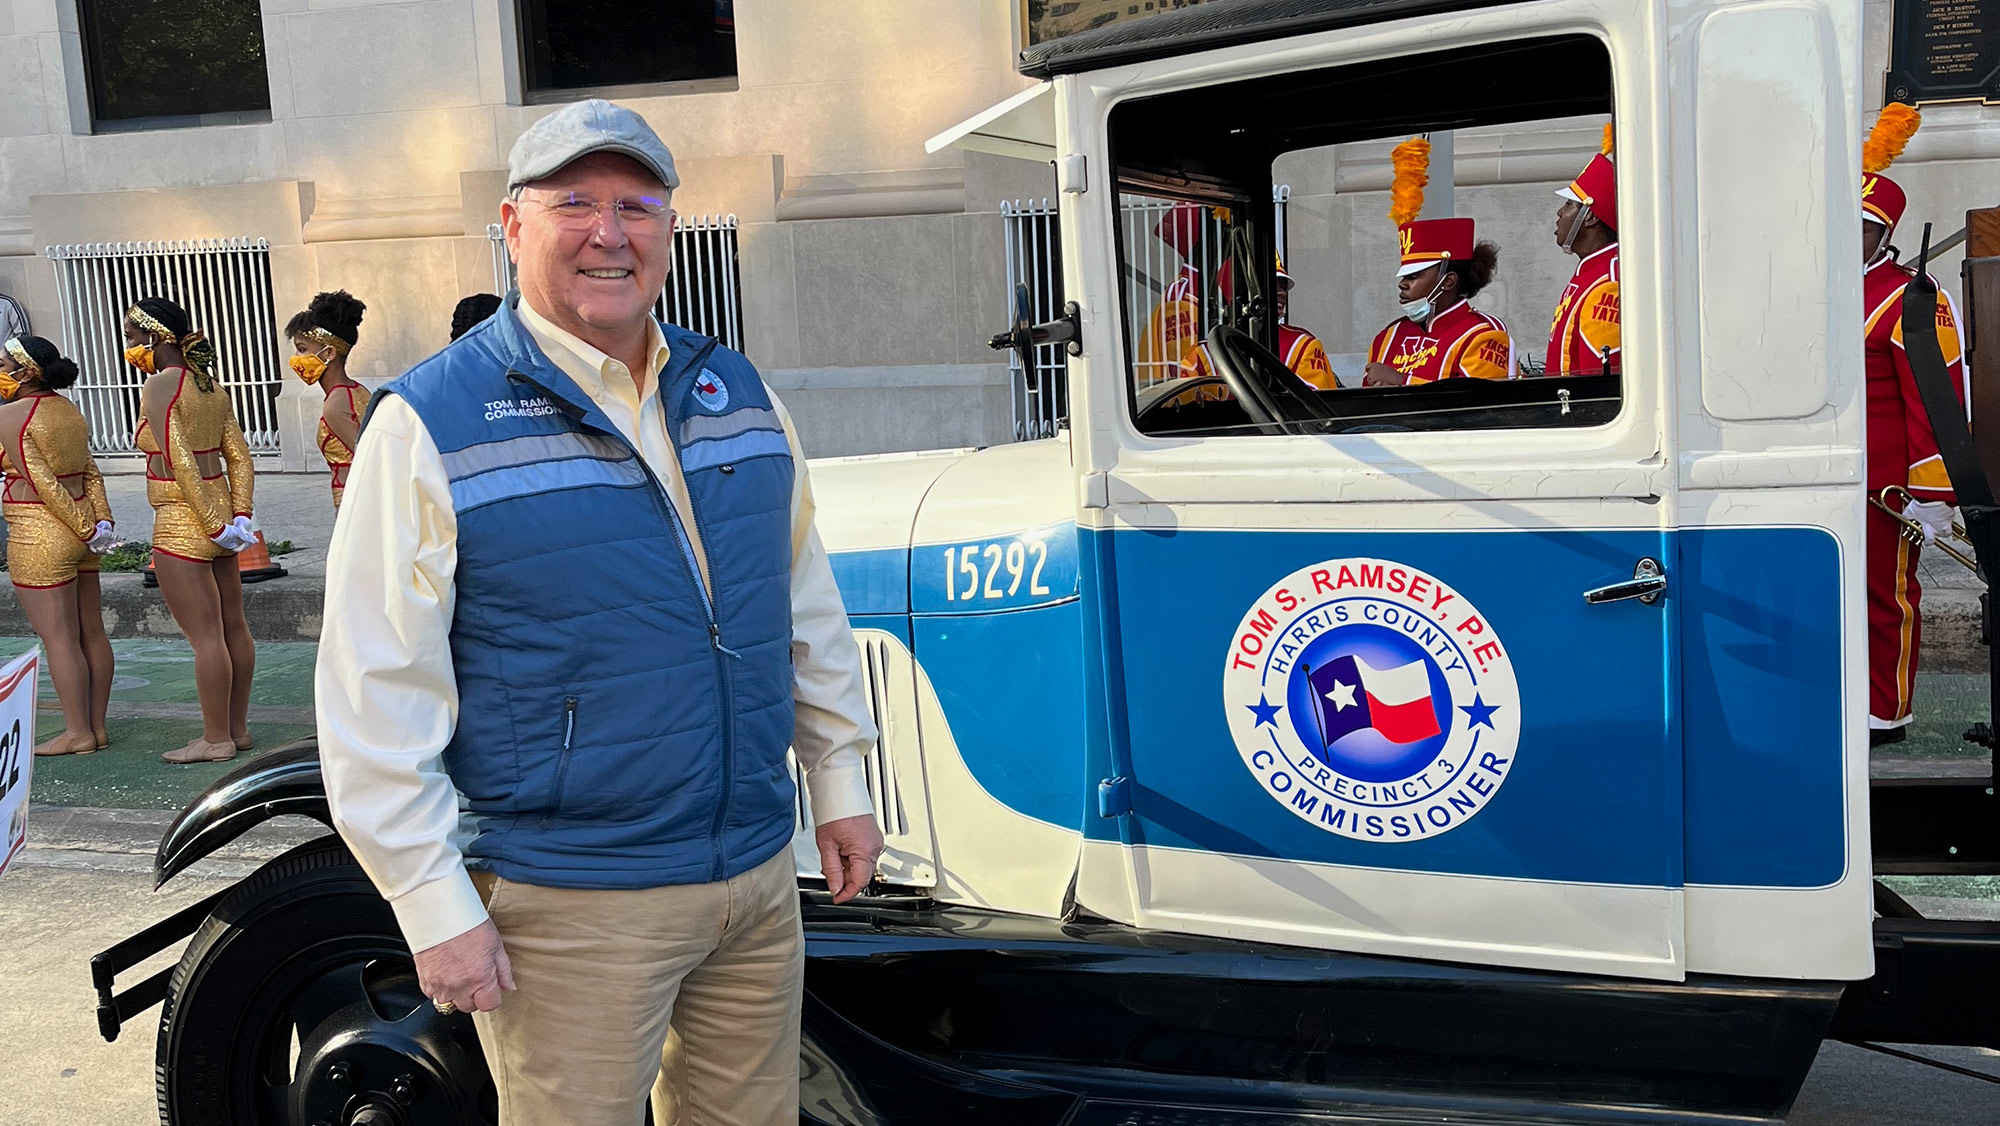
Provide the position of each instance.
(590, 367)
(1610, 248)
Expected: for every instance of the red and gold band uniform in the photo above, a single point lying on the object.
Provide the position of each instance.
(1901, 451)
(1459, 343)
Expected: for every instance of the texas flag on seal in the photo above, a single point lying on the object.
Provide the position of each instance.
(1351, 695)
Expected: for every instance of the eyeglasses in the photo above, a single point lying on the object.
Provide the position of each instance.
(573, 210)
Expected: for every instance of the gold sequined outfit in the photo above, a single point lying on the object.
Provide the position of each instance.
(54, 496)
(185, 481)
(338, 456)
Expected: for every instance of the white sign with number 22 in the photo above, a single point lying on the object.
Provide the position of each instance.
(17, 750)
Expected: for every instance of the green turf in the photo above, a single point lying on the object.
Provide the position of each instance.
(129, 774)
(161, 670)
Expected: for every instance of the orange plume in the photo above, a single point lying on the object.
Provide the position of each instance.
(1605, 148)
(1893, 129)
(1412, 161)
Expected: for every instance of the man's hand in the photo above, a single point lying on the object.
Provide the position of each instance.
(848, 849)
(471, 971)
(1382, 375)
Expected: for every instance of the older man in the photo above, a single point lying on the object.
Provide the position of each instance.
(577, 611)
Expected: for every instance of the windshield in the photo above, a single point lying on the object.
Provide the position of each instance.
(1401, 241)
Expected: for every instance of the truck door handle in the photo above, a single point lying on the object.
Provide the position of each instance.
(1647, 584)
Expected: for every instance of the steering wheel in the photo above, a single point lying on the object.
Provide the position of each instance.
(1268, 391)
(1176, 396)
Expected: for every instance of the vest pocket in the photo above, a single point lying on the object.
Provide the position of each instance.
(562, 759)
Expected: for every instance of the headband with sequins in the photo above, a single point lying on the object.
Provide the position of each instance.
(150, 323)
(322, 336)
(19, 351)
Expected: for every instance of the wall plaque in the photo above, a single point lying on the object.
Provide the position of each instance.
(1945, 51)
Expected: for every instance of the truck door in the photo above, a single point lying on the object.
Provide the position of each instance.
(1386, 669)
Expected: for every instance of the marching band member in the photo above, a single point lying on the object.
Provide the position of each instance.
(58, 521)
(321, 337)
(1583, 340)
(199, 480)
(1440, 335)
(1302, 352)
(1174, 325)
(1902, 450)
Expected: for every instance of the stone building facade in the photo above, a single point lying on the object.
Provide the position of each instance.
(871, 272)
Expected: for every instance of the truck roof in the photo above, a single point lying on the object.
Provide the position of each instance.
(1219, 23)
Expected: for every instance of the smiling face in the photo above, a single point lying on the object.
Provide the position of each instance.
(597, 277)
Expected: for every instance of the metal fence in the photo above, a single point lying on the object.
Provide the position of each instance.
(704, 291)
(225, 286)
(1165, 277)
(1034, 258)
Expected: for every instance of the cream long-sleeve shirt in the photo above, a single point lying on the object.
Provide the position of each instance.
(386, 698)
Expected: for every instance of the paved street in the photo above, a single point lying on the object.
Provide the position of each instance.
(63, 905)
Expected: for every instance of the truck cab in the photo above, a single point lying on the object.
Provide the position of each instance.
(1113, 648)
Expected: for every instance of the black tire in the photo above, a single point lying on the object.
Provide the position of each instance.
(296, 1003)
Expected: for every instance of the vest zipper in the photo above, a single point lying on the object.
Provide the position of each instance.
(562, 763)
(724, 684)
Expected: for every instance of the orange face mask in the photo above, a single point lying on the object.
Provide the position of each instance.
(308, 367)
(140, 356)
(10, 385)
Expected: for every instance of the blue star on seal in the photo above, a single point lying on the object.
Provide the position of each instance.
(1478, 712)
(1266, 711)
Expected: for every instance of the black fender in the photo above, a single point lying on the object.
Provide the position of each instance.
(282, 782)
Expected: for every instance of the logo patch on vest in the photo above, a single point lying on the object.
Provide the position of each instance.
(519, 408)
(710, 391)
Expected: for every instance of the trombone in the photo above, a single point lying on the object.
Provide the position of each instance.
(1895, 498)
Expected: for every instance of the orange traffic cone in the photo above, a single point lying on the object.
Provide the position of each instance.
(255, 563)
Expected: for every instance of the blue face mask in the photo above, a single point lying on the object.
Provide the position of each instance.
(1421, 310)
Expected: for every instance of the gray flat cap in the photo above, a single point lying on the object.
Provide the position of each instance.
(586, 127)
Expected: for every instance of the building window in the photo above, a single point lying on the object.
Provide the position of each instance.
(171, 62)
(574, 46)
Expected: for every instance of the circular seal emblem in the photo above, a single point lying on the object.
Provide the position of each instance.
(710, 391)
(1372, 700)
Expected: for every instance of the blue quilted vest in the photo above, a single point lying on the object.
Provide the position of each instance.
(619, 725)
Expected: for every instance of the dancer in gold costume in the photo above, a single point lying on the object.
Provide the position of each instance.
(321, 337)
(57, 523)
(199, 481)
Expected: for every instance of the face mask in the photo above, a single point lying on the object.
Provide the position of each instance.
(308, 367)
(9, 385)
(1420, 310)
(140, 356)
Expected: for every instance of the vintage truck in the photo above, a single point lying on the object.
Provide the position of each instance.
(1600, 844)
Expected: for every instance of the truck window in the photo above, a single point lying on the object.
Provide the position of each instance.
(1447, 256)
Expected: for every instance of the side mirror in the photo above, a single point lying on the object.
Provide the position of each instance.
(1024, 335)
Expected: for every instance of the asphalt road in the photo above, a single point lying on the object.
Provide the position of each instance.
(59, 906)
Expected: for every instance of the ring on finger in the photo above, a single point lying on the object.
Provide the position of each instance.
(445, 1008)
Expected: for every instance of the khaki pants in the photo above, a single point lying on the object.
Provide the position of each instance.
(604, 977)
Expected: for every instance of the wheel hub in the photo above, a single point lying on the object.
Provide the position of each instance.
(387, 1058)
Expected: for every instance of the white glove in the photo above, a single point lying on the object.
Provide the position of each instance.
(103, 540)
(1933, 515)
(231, 539)
(242, 524)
